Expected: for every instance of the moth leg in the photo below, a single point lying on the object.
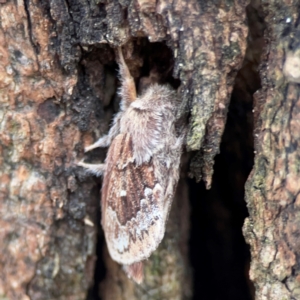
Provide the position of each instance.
(106, 140)
(127, 90)
(181, 139)
(94, 169)
(103, 142)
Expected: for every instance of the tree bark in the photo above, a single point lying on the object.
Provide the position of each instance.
(58, 94)
(272, 190)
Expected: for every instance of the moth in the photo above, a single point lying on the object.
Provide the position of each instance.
(140, 172)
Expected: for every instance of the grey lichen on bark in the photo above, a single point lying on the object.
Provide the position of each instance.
(272, 190)
(57, 81)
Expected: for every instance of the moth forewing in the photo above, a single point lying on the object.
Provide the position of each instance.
(132, 205)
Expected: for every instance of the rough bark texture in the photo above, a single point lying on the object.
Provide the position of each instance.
(57, 94)
(272, 190)
(47, 250)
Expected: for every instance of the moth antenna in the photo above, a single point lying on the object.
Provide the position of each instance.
(135, 271)
(127, 90)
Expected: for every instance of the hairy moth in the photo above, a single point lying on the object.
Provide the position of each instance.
(140, 172)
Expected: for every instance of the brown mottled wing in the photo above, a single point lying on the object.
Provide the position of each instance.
(132, 205)
(135, 271)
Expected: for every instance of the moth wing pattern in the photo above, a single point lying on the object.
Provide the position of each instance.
(133, 215)
(135, 271)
